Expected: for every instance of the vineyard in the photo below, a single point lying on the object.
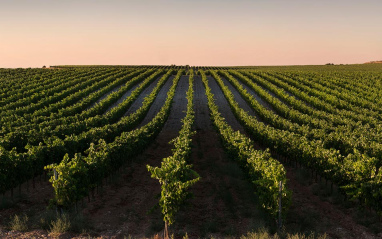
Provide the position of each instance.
(143, 150)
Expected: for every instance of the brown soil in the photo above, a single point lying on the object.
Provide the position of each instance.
(139, 101)
(239, 99)
(105, 96)
(290, 93)
(332, 219)
(158, 102)
(273, 94)
(257, 97)
(124, 96)
(123, 207)
(223, 202)
(30, 202)
(223, 105)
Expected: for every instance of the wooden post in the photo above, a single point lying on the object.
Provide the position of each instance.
(280, 206)
(55, 174)
(165, 223)
(165, 236)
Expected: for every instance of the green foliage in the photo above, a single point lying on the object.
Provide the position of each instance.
(175, 175)
(72, 180)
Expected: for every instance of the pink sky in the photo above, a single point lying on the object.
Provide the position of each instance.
(163, 32)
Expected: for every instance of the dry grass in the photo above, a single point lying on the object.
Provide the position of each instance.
(19, 223)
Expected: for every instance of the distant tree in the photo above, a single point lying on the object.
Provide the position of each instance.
(43, 66)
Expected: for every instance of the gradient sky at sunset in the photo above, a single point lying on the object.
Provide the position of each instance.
(208, 32)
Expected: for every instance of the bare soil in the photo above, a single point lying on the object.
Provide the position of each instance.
(291, 94)
(124, 207)
(311, 210)
(223, 202)
(223, 105)
(286, 91)
(257, 97)
(139, 101)
(105, 96)
(124, 96)
(239, 99)
(158, 102)
(272, 93)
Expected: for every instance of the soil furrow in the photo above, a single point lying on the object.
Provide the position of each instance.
(257, 97)
(139, 101)
(158, 103)
(239, 99)
(313, 207)
(272, 93)
(223, 202)
(105, 96)
(290, 93)
(124, 207)
(127, 94)
(223, 105)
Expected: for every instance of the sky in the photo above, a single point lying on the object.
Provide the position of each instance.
(194, 32)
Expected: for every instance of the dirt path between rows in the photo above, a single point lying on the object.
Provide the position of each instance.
(223, 105)
(223, 202)
(158, 102)
(124, 96)
(123, 208)
(290, 93)
(139, 101)
(280, 75)
(106, 95)
(239, 99)
(272, 93)
(257, 97)
(31, 203)
(310, 210)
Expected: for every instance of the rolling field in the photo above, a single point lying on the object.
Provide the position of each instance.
(224, 150)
